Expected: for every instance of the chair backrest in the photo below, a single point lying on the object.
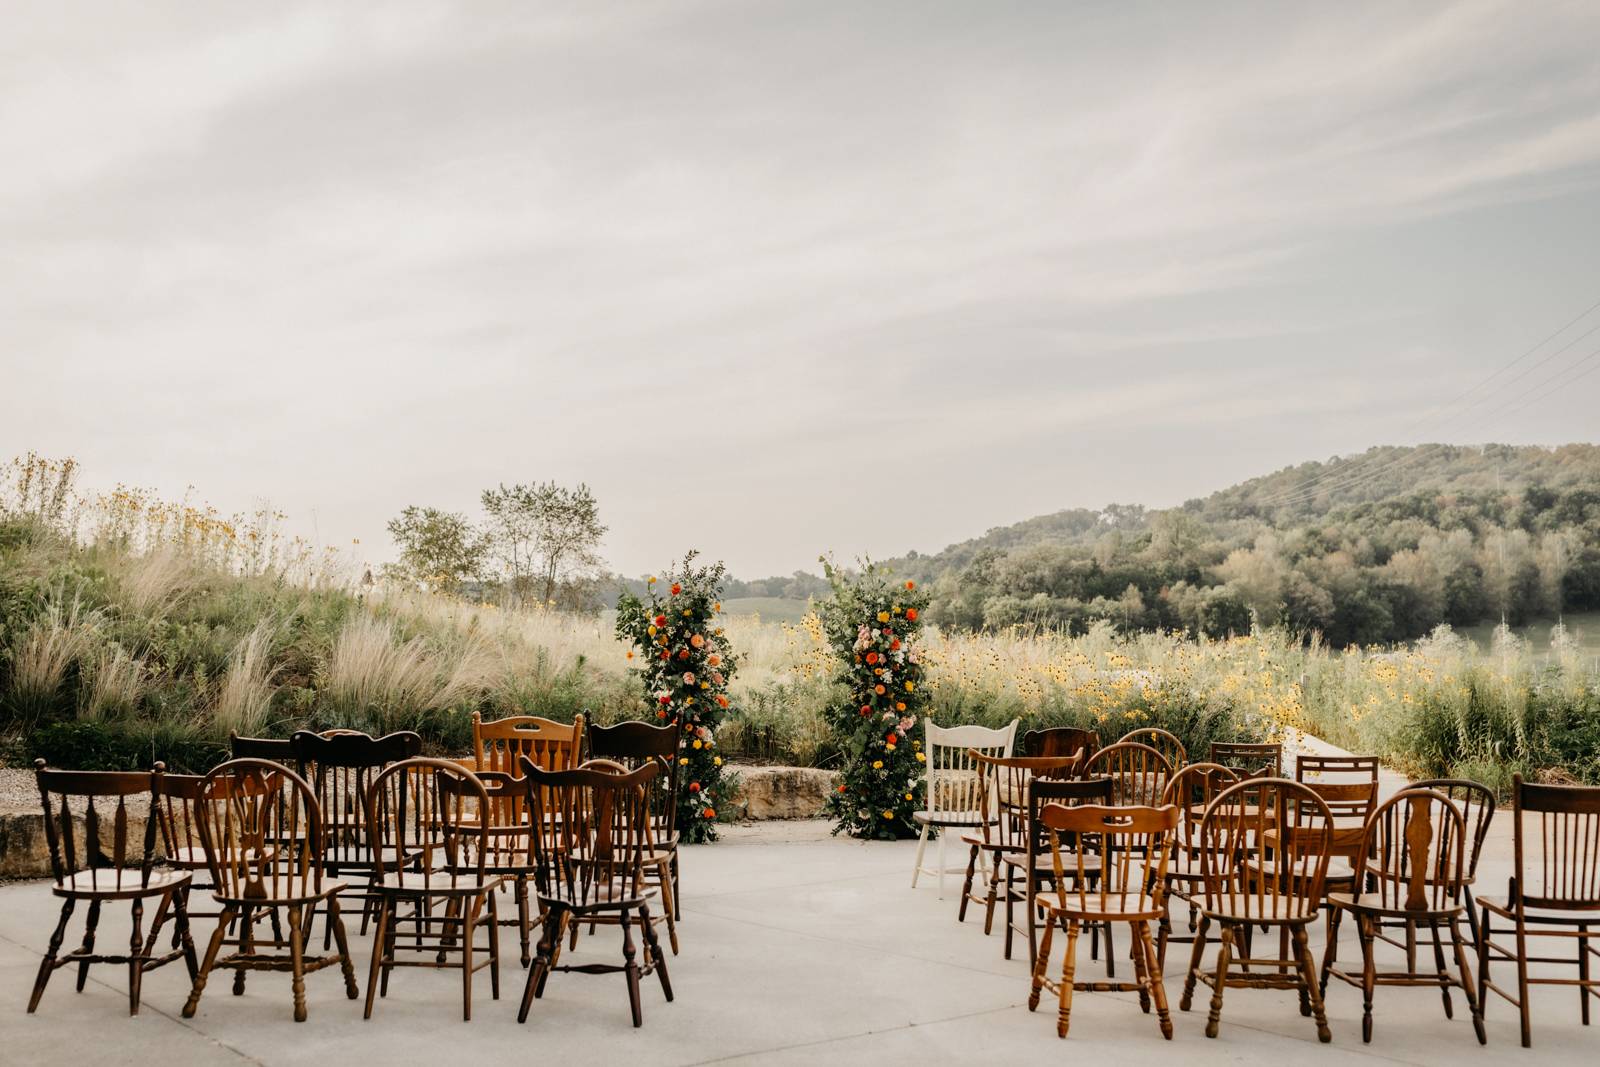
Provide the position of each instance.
(1347, 784)
(952, 773)
(1191, 790)
(1163, 741)
(1005, 783)
(276, 749)
(1060, 741)
(110, 868)
(1138, 772)
(1477, 804)
(590, 827)
(1557, 862)
(1132, 844)
(1068, 793)
(261, 830)
(1413, 851)
(1264, 850)
(501, 744)
(345, 765)
(1249, 758)
(428, 815)
(176, 810)
(633, 744)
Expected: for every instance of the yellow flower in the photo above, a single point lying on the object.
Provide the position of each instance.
(883, 616)
(887, 814)
(910, 686)
(652, 580)
(683, 761)
(877, 764)
(908, 796)
(921, 758)
(716, 761)
(697, 744)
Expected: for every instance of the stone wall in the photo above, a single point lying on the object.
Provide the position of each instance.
(782, 792)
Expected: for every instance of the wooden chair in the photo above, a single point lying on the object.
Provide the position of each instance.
(1163, 741)
(1282, 889)
(1554, 893)
(261, 828)
(1248, 759)
(1038, 866)
(590, 828)
(278, 750)
(1004, 785)
(1191, 790)
(178, 797)
(91, 871)
(1349, 786)
(632, 745)
(500, 745)
(433, 809)
(1138, 772)
(951, 782)
(1060, 741)
(1477, 804)
(1409, 869)
(1132, 843)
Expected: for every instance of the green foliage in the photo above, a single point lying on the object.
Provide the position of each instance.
(126, 746)
(441, 549)
(684, 666)
(874, 624)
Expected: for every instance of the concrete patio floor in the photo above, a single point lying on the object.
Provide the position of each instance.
(797, 948)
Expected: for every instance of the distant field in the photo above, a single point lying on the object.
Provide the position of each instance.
(771, 608)
(1585, 625)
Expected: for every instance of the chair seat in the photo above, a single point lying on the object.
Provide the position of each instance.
(1545, 916)
(437, 883)
(1113, 907)
(1043, 863)
(1367, 904)
(613, 897)
(1340, 873)
(950, 818)
(330, 888)
(111, 883)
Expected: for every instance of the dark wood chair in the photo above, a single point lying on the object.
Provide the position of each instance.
(1554, 893)
(1410, 869)
(1477, 803)
(1004, 784)
(430, 842)
(1060, 741)
(633, 745)
(262, 832)
(178, 797)
(1138, 772)
(1191, 790)
(1349, 786)
(1131, 843)
(1163, 741)
(1282, 888)
(1037, 868)
(276, 749)
(1248, 759)
(99, 871)
(590, 828)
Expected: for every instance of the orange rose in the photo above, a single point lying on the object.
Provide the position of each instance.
(722, 701)
(911, 613)
(710, 813)
(911, 585)
(676, 588)
(872, 657)
(878, 689)
(698, 641)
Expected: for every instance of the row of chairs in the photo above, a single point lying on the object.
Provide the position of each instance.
(1095, 837)
(289, 830)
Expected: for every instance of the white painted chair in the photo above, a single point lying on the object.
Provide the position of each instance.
(954, 798)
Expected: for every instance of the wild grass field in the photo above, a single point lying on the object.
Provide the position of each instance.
(143, 631)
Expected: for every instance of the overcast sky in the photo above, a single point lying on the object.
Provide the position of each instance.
(781, 278)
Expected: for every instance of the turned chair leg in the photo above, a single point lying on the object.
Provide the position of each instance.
(1224, 951)
(1192, 976)
(1467, 988)
(1309, 986)
(136, 957)
(47, 965)
(1041, 961)
(297, 964)
(653, 945)
(1069, 967)
(631, 966)
(217, 937)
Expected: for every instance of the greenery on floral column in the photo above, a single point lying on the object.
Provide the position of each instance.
(684, 664)
(873, 624)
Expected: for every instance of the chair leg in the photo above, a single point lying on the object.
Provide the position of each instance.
(966, 884)
(1523, 1006)
(1041, 960)
(1330, 952)
(1369, 970)
(1011, 900)
(1069, 966)
(1224, 950)
(180, 912)
(347, 965)
(653, 943)
(631, 967)
(1467, 988)
(1309, 986)
(1158, 987)
(664, 872)
(91, 921)
(922, 845)
(247, 944)
(224, 920)
(521, 892)
(944, 836)
(1583, 971)
(297, 963)
(1481, 939)
(135, 957)
(1441, 969)
(467, 916)
(1186, 1000)
(47, 966)
(549, 935)
(993, 895)
(494, 945)
(380, 944)
(1141, 973)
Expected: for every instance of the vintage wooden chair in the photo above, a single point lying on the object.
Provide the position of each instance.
(1131, 843)
(1037, 868)
(590, 831)
(1477, 804)
(500, 744)
(1138, 772)
(1191, 790)
(1410, 870)
(434, 810)
(1248, 759)
(278, 750)
(98, 870)
(952, 782)
(1349, 786)
(1163, 741)
(1282, 888)
(632, 745)
(1060, 741)
(1004, 784)
(1554, 893)
(261, 828)
(178, 798)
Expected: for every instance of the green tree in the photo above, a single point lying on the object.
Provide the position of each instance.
(440, 549)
